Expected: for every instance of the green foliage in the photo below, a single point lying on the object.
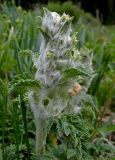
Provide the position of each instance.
(73, 10)
(72, 73)
(100, 40)
(20, 35)
(66, 7)
(78, 139)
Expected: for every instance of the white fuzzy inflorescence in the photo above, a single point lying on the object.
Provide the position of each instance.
(57, 54)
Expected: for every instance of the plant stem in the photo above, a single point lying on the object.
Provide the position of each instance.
(108, 100)
(41, 134)
(16, 127)
(4, 108)
(23, 107)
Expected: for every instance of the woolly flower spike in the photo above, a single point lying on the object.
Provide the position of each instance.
(52, 23)
(58, 67)
(56, 31)
(57, 40)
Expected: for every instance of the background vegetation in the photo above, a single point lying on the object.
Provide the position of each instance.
(105, 9)
(89, 135)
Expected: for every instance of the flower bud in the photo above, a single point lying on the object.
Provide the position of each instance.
(76, 88)
(71, 92)
(51, 22)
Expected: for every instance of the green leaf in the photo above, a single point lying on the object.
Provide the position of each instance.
(44, 33)
(72, 72)
(1, 84)
(22, 83)
(71, 153)
(107, 129)
(66, 128)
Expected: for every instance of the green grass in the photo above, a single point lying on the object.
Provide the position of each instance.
(100, 39)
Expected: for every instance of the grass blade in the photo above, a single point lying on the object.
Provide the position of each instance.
(23, 108)
(16, 127)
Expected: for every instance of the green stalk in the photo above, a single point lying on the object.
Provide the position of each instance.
(108, 99)
(4, 108)
(16, 55)
(98, 121)
(41, 134)
(16, 127)
(23, 107)
(96, 83)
